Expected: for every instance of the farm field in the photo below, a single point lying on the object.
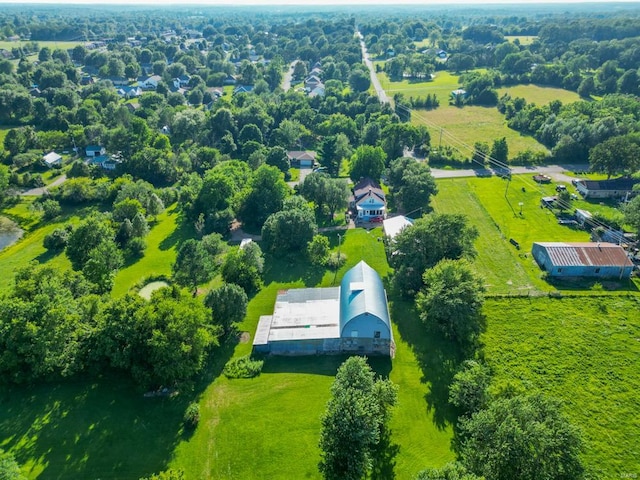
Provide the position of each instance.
(462, 127)
(540, 95)
(266, 427)
(583, 351)
(469, 124)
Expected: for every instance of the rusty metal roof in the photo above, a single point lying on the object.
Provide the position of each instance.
(586, 254)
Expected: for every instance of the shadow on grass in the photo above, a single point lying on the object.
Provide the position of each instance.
(98, 428)
(384, 458)
(321, 364)
(184, 230)
(438, 358)
(47, 255)
(291, 268)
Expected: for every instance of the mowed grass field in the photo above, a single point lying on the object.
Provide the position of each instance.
(268, 427)
(540, 95)
(42, 43)
(585, 352)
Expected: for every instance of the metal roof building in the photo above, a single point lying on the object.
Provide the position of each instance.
(588, 259)
(351, 318)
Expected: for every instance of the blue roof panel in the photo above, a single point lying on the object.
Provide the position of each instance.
(362, 291)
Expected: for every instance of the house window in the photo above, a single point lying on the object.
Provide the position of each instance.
(597, 270)
(354, 334)
(559, 270)
(376, 334)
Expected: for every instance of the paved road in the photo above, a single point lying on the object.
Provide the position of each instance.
(382, 96)
(44, 190)
(286, 81)
(557, 172)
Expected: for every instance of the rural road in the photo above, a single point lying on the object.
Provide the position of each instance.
(286, 81)
(382, 96)
(557, 172)
(43, 190)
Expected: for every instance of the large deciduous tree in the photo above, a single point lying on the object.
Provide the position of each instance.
(289, 230)
(451, 300)
(367, 161)
(244, 266)
(228, 305)
(429, 240)
(412, 185)
(266, 196)
(194, 265)
(355, 418)
(616, 155)
(527, 438)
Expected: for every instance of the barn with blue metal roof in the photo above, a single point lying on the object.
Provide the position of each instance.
(352, 318)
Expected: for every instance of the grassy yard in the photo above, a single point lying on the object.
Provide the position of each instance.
(160, 254)
(540, 95)
(583, 351)
(523, 39)
(442, 85)
(29, 248)
(42, 43)
(494, 208)
(268, 427)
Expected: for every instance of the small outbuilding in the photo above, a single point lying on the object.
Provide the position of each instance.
(394, 225)
(51, 159)
(588, 259)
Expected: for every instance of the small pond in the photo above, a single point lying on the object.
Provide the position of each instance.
(10, 232)
(146, 291)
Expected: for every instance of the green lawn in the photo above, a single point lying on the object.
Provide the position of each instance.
(584, 351)
(42, 43)
(494, 208)
(29, 248)
(268, 427)
(497, 260)
(523, 39)
(160, 254)
(540, 95)
(442, 85)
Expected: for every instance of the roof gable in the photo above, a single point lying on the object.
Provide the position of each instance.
(362, 293)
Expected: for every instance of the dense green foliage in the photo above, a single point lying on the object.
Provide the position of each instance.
(522, 437)
(356, 417)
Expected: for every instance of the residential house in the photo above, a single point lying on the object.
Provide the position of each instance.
(150, 83)
(368, 201)
(243, 89)
(229, 80)
(352, 318)
(51, 159)
(129, 92)
(441, 54)
(302, 158)
(588, 259)
(132, 107)
(184, 80)
(312, 82)
(614, 188)
(117, 81)
(35, 92)
(95, 151)
(318, 91)
(458, 94)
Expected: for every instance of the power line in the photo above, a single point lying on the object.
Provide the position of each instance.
(493, 161)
